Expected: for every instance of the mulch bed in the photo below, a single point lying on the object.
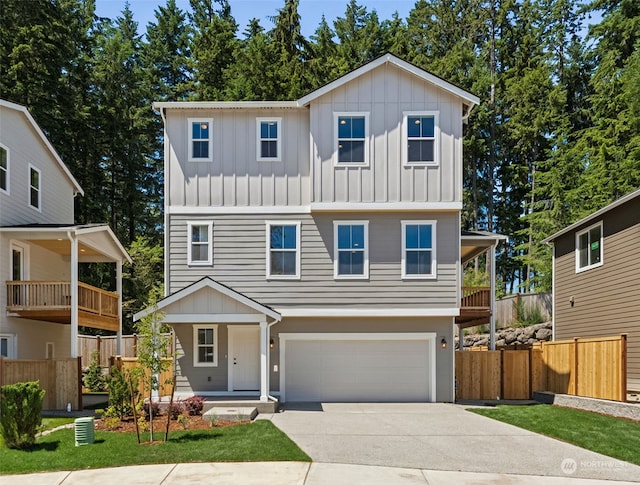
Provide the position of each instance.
(128, 425)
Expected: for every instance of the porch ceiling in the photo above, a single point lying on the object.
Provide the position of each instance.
(474, 243)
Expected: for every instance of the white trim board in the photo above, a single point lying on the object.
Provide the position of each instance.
(369, 312)
(214, 318)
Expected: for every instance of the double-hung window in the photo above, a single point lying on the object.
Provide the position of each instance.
(200, 234)
(7, 346)
(351, 138)
(200, 139)
(205, 345)
(418, 249)
(35, 189)
(4, 168)
(589, 248)
(420, 134)
(351, 243)
(283, 250)
(269, 139)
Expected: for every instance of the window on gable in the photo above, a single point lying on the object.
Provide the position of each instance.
(35, 192)
(200, 243)
(4, 169)
(205, 345)
(420, 137)
(283, 254)
(351, 138)
(418, 249)
(351, 249)
(200, 139)
(589, 248)
(269, 136)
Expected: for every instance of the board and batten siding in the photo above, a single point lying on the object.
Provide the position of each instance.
(235, 177)
(386, 93)
(606, 298)
(239, 243)
(25, 147)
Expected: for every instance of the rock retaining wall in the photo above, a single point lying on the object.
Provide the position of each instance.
(512, 337)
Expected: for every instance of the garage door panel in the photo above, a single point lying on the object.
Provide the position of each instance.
(357, 370)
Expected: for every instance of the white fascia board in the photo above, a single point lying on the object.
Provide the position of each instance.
(214, 318)
(63, 167)
(426, 76)
(109, 233)
(385, 206)
(225, 105)
(369, 312)
(359, 336)
(209, 210)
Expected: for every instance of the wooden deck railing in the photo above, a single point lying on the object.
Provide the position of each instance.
(476, 297)
(56, 295)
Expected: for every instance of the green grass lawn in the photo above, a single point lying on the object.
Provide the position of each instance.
(614, 437)
(54, 422)
(258, 441)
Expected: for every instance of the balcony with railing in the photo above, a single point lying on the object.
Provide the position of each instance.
(475, 306)
(50, 301)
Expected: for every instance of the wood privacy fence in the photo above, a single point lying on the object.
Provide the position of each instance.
(60, 378)
(106, 348)
(506, 311)
(128, 363)
(595, 367)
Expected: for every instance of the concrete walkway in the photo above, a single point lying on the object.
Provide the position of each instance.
(281, 473)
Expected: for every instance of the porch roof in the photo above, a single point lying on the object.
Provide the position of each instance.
(474, 243)
(207, 282)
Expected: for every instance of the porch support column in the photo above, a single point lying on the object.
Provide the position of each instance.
(74, 295)
(119, 292)
(492, 296)
(264, 361)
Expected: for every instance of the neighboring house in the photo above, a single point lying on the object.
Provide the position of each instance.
(313, 247)
(42, 303)
(596, 278)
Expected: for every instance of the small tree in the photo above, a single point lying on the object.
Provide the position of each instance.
(153, 348)
(121, 387)
(93, 379)
(20, 413)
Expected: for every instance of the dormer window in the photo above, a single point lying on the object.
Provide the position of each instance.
(351, 138)
(269, 139)
(420, 136)
(200, 139)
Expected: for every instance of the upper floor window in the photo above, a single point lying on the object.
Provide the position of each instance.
(200, 139)
(200, 247)
(205, 345)
(420, 138)
(4, 168)
(35, 190)
(589, 248)
(351, 245)
(418, 249)
(283, 250)
(269, 139)
(351, 138)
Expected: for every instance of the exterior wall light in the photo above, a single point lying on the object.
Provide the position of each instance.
(443, 343)
(271, 343)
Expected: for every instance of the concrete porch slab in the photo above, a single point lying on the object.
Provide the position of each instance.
(230, 414)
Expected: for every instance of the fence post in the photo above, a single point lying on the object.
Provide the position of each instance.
(135, 345)
(501, 373)
(79, 359)
(99, 349)
(623, 370)
(575, 366)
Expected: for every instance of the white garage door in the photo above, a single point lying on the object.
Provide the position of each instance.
(373, 370)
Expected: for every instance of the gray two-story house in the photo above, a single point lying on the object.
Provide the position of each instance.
(313, 247)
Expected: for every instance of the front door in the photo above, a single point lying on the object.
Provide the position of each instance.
(244, 357)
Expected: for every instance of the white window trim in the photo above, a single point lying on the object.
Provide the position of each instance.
(298, 225)
(190, 122)
(365, 274)
(12, 345)
(405, 138)
(8, 172)
(259, 157)
(32, 167)
(577, 249)
(434, 243)
(209, 260)
(196, 363)
(336, 116)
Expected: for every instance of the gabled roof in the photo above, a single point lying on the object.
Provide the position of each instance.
(54, 154)
(468, 98)
(622, 200)
(207, 282)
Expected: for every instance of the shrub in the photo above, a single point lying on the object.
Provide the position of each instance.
(93, 378)
(177, 409)
(20, 413)
(193, 405)
(120, 393)
(154, 406)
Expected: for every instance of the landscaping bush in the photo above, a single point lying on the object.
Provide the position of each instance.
(154, 406)
(120, 393)
(193, 405)
(20, 413)
(177, 409)
(93, 378)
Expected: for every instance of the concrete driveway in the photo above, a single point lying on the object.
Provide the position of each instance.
(437, 437)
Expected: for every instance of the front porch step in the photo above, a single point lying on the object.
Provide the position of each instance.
(268, 407)
(230, 414)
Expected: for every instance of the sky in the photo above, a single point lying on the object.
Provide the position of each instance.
(244, 10)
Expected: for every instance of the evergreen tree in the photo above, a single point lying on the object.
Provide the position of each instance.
(324, 64)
